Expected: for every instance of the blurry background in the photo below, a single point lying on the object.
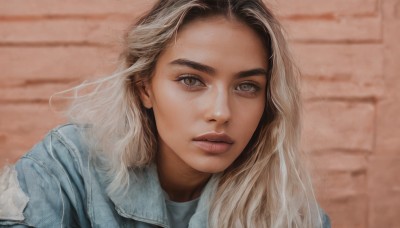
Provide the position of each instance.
(348, 51)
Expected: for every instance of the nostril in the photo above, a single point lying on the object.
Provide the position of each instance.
(220, 116)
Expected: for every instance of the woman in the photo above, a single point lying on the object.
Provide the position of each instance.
(198, 128)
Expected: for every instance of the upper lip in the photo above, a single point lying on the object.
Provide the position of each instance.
(215, 137)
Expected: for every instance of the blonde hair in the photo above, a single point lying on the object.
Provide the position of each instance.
(267, 186)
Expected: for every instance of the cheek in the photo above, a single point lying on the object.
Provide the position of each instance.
(248, 118)
(170, 107)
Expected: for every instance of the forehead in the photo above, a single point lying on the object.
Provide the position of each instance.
(218, 41)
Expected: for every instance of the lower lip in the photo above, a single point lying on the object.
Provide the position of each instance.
(213, 147)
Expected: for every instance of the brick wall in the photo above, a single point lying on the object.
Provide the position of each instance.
(347, 49)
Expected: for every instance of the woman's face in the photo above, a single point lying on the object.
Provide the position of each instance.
(208, 93)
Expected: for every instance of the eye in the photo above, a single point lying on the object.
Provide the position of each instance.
(248, 87)
(190, 81)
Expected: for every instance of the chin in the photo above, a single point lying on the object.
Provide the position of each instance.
(210, 168)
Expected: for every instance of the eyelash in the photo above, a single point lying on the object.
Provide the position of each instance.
(184, 77)
(181, 79)
(254, 88)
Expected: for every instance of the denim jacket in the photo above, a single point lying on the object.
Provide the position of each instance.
(55, 185)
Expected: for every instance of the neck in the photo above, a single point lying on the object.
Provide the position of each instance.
(181, 182)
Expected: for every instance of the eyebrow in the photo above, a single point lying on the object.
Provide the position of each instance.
(194, 65)
(253, 72)
(212, 71)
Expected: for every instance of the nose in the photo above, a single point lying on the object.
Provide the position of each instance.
(219, 108)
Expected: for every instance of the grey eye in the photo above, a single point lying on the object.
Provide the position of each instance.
(191, 81)
(247, 87)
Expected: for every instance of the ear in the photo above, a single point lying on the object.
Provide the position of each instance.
(146, 95)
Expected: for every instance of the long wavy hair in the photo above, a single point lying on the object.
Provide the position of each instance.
(268, 185)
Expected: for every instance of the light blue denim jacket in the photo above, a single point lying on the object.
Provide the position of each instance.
(65, 190)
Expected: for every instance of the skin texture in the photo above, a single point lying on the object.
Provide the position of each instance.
(210, 79)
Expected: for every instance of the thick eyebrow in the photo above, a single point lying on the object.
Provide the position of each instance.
(212, 71)
(253, 72)
(194, 65)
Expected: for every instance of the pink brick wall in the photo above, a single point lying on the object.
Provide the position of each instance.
(347, 49)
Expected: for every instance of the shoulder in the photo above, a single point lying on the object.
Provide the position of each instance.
(68, 135)
(51, 176)
(63, 145)
(61, 157)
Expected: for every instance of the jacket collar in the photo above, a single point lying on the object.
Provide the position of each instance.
(145, 200)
